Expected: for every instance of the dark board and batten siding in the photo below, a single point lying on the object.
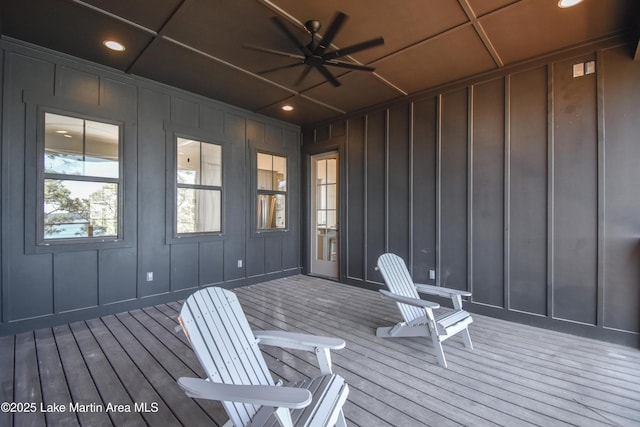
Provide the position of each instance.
(520, 186)
(48, 285)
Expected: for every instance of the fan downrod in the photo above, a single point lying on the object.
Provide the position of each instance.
(312, 26)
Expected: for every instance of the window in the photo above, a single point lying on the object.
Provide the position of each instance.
(272, 192)
(81, 186)
(199, 187)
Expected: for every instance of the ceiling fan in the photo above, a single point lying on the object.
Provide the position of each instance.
(315, 54)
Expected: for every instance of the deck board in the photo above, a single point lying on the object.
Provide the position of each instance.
(82, 389)
(52, 379)
(516, 375)
(7, 347)
(28, 390)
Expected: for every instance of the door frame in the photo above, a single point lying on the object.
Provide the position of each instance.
(311, 221)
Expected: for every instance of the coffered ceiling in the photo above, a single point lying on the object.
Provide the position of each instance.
(198, 45)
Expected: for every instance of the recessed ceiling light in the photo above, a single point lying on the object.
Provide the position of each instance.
(568, 3)
(287, 107)
(61, 131)
(114, 45)
(66, 135)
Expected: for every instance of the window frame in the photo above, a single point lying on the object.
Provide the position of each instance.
(259, 192)
(177, 186)
(42, 176)
(172, 132)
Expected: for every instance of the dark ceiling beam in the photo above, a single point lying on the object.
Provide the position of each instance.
(477, 26)
(114, 16)
(160, 35)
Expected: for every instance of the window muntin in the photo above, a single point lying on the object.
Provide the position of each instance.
(272, 192)
(199, 187)
(81, 185)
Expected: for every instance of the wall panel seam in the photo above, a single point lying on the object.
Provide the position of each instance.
(386, 180)
(469, 243)
(601, 156)
(438, 230)
(550, 189)
(365, 204)
(507, 194)
(411, 184)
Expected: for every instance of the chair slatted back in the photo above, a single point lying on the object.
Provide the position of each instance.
(222, 340)
(398, 280)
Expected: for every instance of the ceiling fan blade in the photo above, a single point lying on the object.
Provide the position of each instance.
(273, 51)
(327, 74)
(304, 74)
(348, 65)
(282, 67)
(333, 29)
(353, 49)
(283, 27)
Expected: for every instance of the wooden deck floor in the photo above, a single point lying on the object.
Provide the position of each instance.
(515, 376)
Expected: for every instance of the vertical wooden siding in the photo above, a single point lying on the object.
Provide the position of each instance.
(521, 188)
(41, 286)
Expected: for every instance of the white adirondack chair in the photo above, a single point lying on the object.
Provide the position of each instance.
(237, 374)
(418, 314)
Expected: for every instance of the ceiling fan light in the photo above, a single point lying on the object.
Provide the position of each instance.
(114, 45)
(568, 3)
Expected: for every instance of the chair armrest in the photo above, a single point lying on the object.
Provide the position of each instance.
(410, 301)
(320, 345)
(298, 341)
(267, 395)
(440, 291)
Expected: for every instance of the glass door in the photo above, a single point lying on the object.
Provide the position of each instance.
(324, 215)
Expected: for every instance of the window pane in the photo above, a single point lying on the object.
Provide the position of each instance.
(271, 211)
(63, 144)
(74, 209)
(75, 146)
(321, 172)
(332, 219)
(188, 161)
(211, 164)
(321, 218)
(321, 197)
(101, 149)
(331, 196)
(331, 171)
(199, 211)
(265, 172)
(327, 245)
(279, 173)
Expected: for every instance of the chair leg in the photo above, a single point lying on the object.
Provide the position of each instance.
(437, 346)
(341, 422)
(467, 339)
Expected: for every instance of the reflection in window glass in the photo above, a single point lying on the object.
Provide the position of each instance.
(199, 210)
(76, 146)
(199, 182)
(211, 164)
(81, 178)
(271, 211)
(80, 209)
(272, 172)
(272, 188)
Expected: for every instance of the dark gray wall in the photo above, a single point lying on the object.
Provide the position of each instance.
(47, 285)
(521, 186)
